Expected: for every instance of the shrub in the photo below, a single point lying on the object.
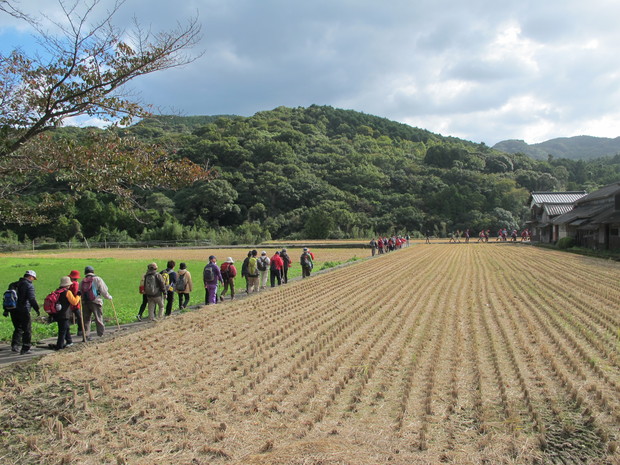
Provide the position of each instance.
(566, 243)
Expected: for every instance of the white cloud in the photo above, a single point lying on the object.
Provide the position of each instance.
(481, 70)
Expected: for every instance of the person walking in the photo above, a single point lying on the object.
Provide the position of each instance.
(74, 275)
(184, 285)
(153, 286)
(143, 305)
(20, 315)
(92, 289)
(262, 263)
(244, 271)
(373, 247)
(306, 263)
(286, 264)
(211, 277)
(275, 269)
(253, 272)
(229, 272)
(170, 285)
(67, 300)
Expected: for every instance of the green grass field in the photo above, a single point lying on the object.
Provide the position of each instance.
(121, 276)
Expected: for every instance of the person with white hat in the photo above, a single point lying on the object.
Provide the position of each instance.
(228, 272)
(20, 316)
(93, 290)
(263, 263)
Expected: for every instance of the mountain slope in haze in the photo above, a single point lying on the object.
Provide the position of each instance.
(573, 148)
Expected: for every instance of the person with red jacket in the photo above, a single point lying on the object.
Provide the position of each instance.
(275, 269)
(228, 272)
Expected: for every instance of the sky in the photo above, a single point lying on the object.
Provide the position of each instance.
(484, 71)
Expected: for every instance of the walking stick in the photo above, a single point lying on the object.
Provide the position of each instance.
(115, 315)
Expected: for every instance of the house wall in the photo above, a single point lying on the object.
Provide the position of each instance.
(614, 236)
(564, 231)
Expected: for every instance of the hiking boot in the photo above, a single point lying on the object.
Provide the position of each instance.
(139, 317)
(69, 345)
(14, 348)
(27, 352)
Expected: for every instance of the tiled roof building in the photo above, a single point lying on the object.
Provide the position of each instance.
(595, 219)
(544, 207)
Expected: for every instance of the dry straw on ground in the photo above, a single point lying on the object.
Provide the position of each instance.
(463, 354)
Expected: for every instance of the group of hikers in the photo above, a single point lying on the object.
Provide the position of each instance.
(158, 288)
(74, 299)
(383, 245)
(80, 300)
(484, 234)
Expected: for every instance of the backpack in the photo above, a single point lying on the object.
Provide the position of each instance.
(166, 276)
(9, 301)
(244, 267)
(252, 267)
(51, 304)
(261, 263)
(181, 284)
(208, 274)
(306, 260)
(88, 289)
(151, 288)
(224, 270)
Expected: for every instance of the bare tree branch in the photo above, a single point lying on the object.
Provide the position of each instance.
(84, 70)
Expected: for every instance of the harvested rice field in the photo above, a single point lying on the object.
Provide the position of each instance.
(441, 353)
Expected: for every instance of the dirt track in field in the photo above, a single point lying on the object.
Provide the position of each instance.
(464, 354)
(180, 254)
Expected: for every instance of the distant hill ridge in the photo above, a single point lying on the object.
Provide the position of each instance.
(574, 148)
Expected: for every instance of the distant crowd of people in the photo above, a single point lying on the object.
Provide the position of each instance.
(484, 234)
(158, 288)
(383, 245)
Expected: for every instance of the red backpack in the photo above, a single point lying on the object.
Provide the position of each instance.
(224, 270)
(51, 304)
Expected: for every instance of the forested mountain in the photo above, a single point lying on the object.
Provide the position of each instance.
(573, 148)
(316, 172)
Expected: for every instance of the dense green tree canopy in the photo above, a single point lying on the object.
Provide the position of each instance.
(316, 172)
